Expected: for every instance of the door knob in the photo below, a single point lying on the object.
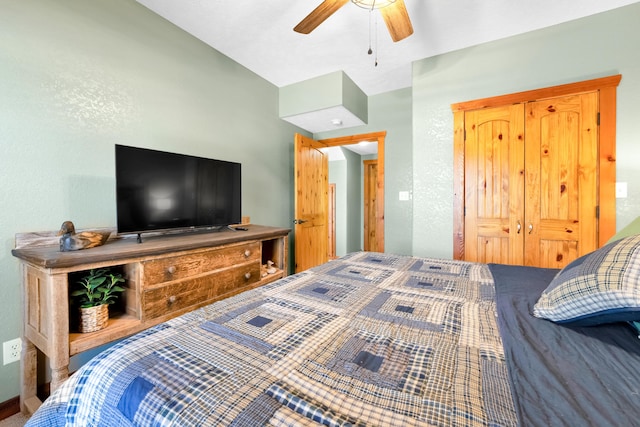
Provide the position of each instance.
(530, 228)
(299, 221)
(519, 226)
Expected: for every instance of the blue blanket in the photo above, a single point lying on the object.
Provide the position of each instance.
(564, 375)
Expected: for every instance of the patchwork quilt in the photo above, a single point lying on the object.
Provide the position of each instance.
(367, 340)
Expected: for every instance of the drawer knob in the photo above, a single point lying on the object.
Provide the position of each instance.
(247, 275)
(171, 269)
(172, 299)
(247, 253)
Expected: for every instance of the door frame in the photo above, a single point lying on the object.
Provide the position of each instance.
(378, 137)
(368, 197)
(331, 224)
(607, 89)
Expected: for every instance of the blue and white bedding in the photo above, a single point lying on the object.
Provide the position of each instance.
(367, 340)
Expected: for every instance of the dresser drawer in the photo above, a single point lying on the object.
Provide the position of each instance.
(193, 264)
(198, 291)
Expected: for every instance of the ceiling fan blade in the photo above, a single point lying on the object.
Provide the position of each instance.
(319, 14)
(397, 19)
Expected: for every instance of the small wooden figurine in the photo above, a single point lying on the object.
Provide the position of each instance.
(72, 241)
(268, 268)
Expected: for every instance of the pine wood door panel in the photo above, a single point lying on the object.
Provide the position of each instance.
(561, 179)
(570, 140)
(331, 224)
(311, 203)
(492, 249)
(494, 184)
(370, 204)
(549, 250)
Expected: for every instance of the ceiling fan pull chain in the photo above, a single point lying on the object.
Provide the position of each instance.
(376, 42)
(370, 51)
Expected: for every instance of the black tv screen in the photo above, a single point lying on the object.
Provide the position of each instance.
(157, 190)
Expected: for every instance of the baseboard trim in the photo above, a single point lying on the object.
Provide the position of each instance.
(12, 406)
(9, 408)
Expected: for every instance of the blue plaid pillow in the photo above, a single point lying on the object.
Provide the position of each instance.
(600, 287)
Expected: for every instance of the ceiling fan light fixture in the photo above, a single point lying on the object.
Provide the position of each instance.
(396, 17)
(373, 4)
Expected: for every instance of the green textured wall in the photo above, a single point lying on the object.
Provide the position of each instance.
(338, 176)
(78, 77)
(354, 99)
(354, 200)
(592, 47)
(327, 91)
(311, 95)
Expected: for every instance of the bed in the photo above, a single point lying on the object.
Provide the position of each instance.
(376, 339)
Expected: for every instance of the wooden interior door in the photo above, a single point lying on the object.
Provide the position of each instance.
(569, 190)
(494, 185)
(370, 204)
(531, 184)
(561, 179)
(311, 182)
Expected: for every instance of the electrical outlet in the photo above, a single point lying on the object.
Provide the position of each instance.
(11, 351)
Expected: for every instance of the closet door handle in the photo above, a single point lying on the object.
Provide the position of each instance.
(530, 228)
(519, 226)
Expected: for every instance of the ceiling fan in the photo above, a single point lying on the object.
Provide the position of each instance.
(393, 12)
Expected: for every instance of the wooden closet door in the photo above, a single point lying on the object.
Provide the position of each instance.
(494, 185)
(570, 139)
(561, 179)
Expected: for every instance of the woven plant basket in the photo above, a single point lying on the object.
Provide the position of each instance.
(93, 318)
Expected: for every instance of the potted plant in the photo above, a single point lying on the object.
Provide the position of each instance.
(93, 293)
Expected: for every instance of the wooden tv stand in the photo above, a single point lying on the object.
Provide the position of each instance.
(166, 276)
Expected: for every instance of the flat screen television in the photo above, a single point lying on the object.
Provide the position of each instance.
(157, 190)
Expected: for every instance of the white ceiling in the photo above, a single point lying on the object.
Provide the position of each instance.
(259, 34)
(362, 148)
